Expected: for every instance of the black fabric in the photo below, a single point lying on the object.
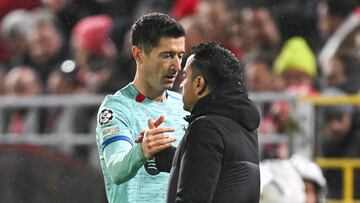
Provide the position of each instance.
(217, 159)
(230, 100)
(164, 159)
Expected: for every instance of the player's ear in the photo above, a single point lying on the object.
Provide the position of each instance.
(201, 85)
(137, 53)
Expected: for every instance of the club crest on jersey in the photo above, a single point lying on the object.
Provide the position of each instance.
(105, 116)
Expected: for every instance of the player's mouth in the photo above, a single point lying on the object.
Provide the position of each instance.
(170, 78)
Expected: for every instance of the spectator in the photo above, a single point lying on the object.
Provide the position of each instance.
(332, 13)
(210, 23)
(341, 139)
(14, 29)
(46, 44)
(7, 6)
(196, 29)
(260, 30)
(292, 180)
(90, 38)
(258, 73)
(280, 182)
(69, 12)
(63, 81)
(344, 73)
(342, 132)
(342, 42)
(296, 65)
(21, 81)
(181, 8)
(60, 82)
(95, 54)
(260, 78)
(314, 181)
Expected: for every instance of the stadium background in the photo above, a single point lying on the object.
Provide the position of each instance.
(58, 58)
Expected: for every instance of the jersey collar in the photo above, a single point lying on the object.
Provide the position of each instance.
(140, 97)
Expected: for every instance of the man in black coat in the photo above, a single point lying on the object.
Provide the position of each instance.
(218, 158)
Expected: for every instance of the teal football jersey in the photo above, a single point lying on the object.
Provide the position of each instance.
(128, 176)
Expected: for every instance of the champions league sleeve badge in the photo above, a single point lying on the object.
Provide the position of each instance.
(105, 116)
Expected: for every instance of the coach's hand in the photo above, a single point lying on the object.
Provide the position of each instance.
(155, 139)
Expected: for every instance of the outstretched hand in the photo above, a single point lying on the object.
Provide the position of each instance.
(155, 138)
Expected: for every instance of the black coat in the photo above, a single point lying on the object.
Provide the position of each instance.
(217, 159)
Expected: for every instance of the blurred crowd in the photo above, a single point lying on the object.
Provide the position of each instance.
(298, 47)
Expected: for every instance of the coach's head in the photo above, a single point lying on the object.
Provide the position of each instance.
(208, 66)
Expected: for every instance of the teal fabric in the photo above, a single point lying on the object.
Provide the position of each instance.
(120, 120)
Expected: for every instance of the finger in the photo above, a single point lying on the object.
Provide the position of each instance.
(159, 120)
(160, 148)
(156, 139)
(155, 131)
(151, 124)
(164, 139)
(139, 139)
(154, 124)
(162, 145)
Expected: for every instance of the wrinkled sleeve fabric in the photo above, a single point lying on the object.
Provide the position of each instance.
(123, 158)
(201, 163)
(123, 161)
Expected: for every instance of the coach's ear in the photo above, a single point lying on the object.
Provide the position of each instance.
(201, 86)
(137, 53)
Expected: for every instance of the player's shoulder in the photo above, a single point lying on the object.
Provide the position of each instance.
(120, 99)
(114, 107)
(116, 104)
(113, 101)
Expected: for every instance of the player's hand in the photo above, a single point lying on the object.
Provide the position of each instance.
(155, 139)
(156, 123)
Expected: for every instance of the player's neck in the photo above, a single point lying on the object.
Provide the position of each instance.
(149, 92)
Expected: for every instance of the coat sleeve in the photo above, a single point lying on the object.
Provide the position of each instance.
(164, 159)
(201, 163)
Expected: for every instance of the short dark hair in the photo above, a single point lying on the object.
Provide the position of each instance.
(215, 63)
(149, 28)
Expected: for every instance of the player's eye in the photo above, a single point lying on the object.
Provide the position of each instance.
(167, 55)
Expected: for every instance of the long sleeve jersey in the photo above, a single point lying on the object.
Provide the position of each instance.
(128, 176)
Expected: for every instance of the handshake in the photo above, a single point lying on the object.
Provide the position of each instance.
(154, 139)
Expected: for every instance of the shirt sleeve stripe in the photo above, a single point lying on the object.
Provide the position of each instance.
(116, 138)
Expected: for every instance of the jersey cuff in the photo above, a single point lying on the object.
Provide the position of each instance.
(140, 153)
